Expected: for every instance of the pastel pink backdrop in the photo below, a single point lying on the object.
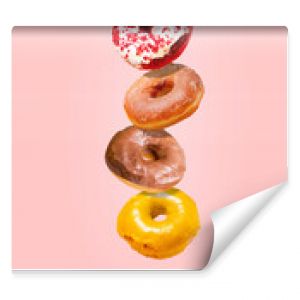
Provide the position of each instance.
(68, 90)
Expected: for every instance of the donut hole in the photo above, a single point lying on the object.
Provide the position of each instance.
(161, 88)
(160, 218)
(158, 213)
(149, 154)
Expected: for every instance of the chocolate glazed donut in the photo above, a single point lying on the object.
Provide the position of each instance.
(150, 160)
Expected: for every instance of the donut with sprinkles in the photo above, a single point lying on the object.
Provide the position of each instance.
(150, 47)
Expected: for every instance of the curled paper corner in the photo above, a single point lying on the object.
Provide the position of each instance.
(230, 220)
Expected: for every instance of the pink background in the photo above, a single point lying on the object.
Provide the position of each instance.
(68, 90)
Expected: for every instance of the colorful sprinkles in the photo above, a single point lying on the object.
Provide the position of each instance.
(141, 44)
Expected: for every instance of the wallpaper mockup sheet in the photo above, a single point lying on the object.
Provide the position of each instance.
(143, 147)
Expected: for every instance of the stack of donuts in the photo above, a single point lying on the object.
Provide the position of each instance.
(161, 220)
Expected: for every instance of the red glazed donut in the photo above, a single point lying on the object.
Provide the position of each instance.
(145, 159)
(163, 97)
(150, 47)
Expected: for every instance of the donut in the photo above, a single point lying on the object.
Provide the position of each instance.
(150, 47)
(163, 97)
(159, 225)
(147, 160)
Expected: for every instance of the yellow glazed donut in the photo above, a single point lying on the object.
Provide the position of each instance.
(139, 224)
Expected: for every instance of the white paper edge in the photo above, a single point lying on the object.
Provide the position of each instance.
(230, 220)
